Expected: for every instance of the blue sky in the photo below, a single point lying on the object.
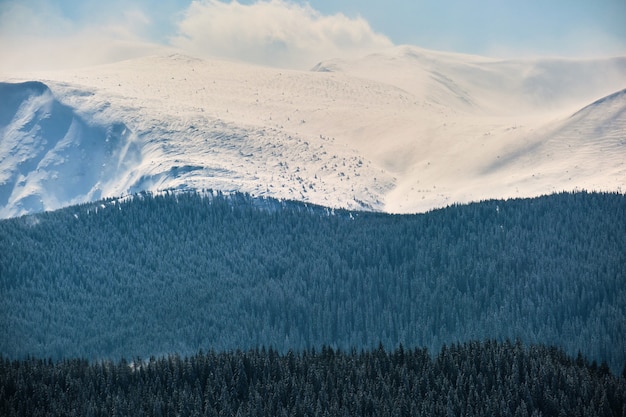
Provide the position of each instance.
(294, 33)
(536, 27)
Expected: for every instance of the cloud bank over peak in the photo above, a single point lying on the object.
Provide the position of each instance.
(38, 36)
(274, 33)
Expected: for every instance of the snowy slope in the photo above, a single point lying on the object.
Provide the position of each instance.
(586, 150)
(401, 131)
(52, 157)
(495, 87)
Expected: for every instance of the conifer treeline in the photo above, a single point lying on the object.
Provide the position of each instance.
(473, 379)
(176, 273)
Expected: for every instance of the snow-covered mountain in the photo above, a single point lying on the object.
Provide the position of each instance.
(52, 156)
(404, 130)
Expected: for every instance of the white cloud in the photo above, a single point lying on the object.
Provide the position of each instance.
(30, 19)
(34, 36)
(274, 32)
(40, 35)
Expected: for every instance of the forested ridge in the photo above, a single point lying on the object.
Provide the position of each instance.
(472, 379)
(175, 273)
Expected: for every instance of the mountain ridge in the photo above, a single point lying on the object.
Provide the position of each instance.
(52, 156)
(387, 132)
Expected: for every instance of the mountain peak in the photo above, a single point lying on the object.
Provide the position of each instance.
(618, 96)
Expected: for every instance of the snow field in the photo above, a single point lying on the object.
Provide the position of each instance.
(406, 130)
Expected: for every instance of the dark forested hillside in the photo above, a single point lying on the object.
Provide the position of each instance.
(473, 379)
(176, 273)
